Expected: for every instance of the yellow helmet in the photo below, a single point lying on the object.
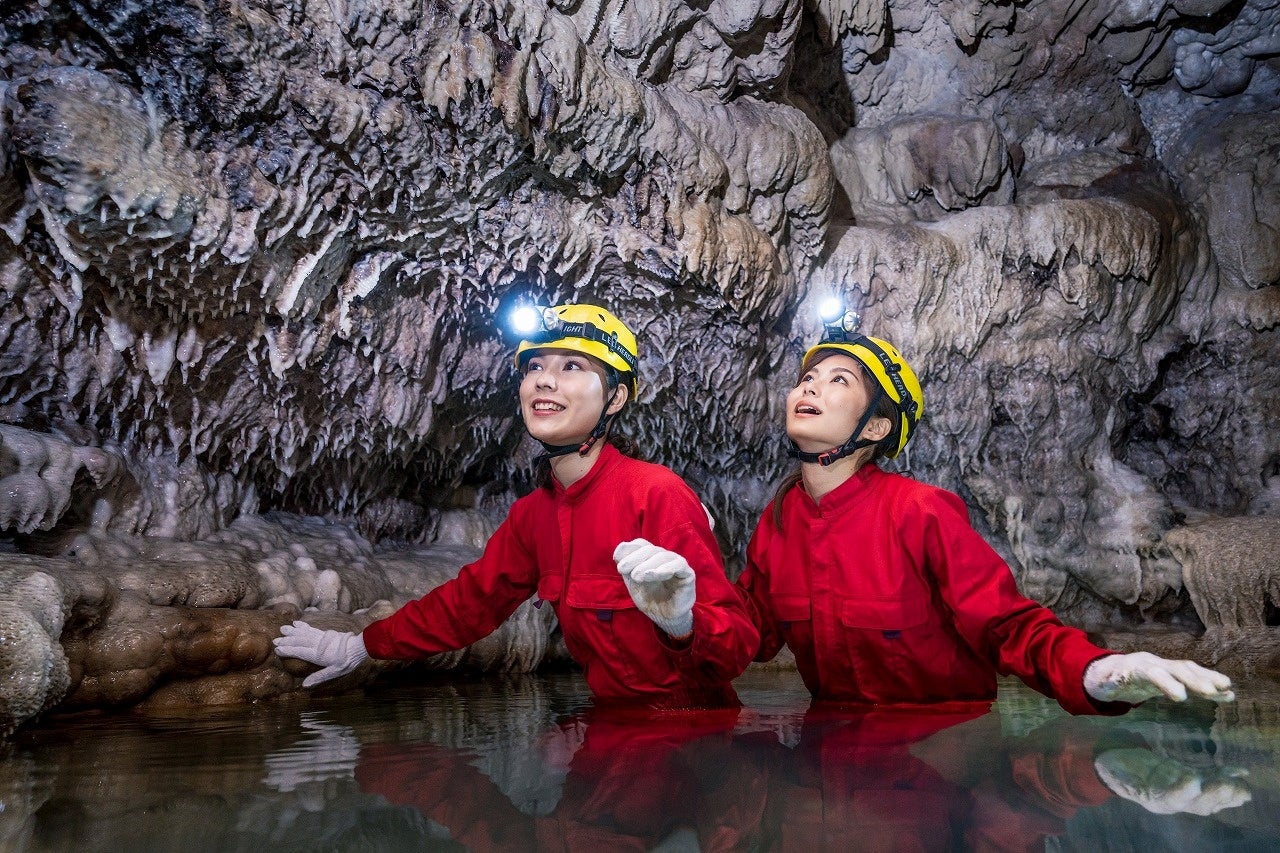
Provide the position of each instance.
(588, 329)
(892, 373)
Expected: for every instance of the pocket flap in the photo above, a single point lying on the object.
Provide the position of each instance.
(599, 592)
(884, 612)
(550, 586)
(791, 608)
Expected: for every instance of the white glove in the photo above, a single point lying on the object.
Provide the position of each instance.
(339, 652)
(1164, 786)
(1140, 676)
(660, 583)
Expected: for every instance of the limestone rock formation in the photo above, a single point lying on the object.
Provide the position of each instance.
(171, 623)
(254, 256)
(1230, 569)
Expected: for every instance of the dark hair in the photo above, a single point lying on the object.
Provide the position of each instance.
(884, 408)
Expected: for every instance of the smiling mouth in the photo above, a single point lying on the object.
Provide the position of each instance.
(806, 409)
(547, 406)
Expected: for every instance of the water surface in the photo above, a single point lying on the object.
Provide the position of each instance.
(532, 764)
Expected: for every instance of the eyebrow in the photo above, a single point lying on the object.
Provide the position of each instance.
(811, 371)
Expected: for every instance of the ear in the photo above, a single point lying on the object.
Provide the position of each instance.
(877, 429)
(618, 399)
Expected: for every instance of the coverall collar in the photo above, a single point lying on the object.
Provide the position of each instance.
(606, 461)
(844, 496)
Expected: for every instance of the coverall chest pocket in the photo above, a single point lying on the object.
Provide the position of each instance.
(602, 594)
(549, 589)
(608, 630)
(899, 652)
(791, 608)
(885, 614)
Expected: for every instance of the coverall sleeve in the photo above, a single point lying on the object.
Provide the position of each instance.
(753, 586)
(724, 638)
(1017, 635)
(462, 610)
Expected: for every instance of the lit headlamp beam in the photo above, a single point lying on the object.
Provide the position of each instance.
(838, 319)
(831, 309)
(525, 320)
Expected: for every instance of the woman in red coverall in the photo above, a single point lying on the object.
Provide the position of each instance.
(881, 587)
(621, 549)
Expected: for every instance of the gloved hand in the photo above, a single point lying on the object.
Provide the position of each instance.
(1165, 786)
(339, 652)
(661, 584)
(1140, 676)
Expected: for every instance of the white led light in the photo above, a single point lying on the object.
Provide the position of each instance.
(524, 319)
(831, 309)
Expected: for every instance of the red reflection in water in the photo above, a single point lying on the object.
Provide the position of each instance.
(913, 778)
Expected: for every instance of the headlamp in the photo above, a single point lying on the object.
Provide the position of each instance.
(841, 324)
(524, 320)
(534, 323)
(551, 321)
(831, 309)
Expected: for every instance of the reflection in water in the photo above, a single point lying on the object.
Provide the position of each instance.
(634, 779)
(532, 764)
(327, 752)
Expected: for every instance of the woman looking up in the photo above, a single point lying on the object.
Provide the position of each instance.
(881, 587)
(620, 548)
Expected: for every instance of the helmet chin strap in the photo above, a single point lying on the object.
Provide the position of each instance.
(851, 446)
(599, 431)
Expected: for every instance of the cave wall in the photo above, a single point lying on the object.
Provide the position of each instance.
(253, 255)
(273, 240)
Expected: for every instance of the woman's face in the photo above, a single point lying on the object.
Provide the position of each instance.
(824, 409)
(562, 395)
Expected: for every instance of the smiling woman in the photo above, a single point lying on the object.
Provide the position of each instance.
(579, 368)
(568, 401)
(620, 548)
(560, 393)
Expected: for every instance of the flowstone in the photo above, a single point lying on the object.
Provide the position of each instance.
(165, 623)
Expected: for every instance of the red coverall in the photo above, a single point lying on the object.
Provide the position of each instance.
(559, 543)
(886, 594)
